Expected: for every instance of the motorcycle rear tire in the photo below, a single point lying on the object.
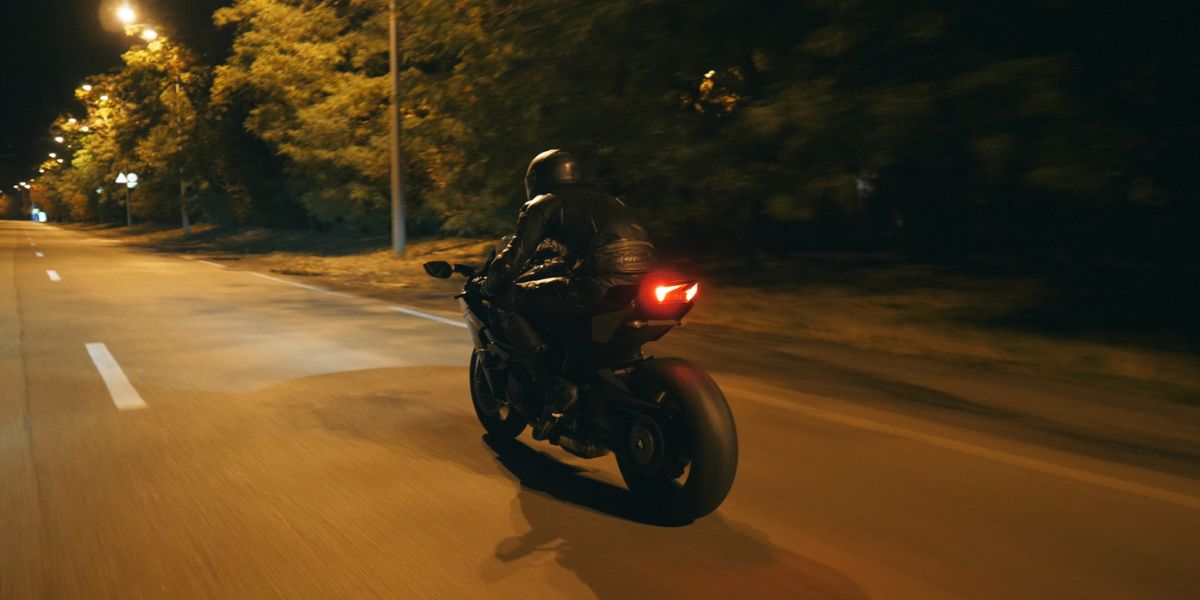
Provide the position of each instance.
(710, 433)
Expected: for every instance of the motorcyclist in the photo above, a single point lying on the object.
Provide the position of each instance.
(601, 244)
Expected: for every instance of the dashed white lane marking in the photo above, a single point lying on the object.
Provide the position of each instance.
(1048, 468)
(34, 244)
(311, 288)
(212, 264)
(425, 315)
(39, 254)
(123, 393)
(53, 275)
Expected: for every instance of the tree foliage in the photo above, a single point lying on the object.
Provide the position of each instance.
(935, 127)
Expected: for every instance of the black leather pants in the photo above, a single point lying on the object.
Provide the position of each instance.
(544, 311)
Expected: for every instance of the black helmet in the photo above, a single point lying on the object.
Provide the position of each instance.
(549, 170)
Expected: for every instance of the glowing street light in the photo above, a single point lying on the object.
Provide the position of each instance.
(104, 98)
(129, 16)
(72, 120)
(126, 14)
(53, 155)
(58, 138)
(130, 182)
(87, 87)
(85, 129)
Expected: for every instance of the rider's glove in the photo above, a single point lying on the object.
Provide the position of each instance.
(491, 286)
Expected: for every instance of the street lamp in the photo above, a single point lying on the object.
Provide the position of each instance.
(58, 138)
(398, 229)
(126, 14)
(130, 181)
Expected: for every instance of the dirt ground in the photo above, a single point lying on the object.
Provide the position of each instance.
(980, 317)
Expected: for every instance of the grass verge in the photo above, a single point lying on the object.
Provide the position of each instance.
(874, 303)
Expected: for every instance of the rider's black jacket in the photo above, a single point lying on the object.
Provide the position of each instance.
(596, 235)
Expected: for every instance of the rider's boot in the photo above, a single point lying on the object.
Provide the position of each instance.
(559, 395)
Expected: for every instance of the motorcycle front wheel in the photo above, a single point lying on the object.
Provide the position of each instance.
(499, 419)
(682, 460)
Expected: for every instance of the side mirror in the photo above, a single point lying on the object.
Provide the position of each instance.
(439, 268)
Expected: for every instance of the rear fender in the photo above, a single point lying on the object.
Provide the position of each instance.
(605, 326)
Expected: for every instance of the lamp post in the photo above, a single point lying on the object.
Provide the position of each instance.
(398, 237)
(130, 181)
(26, 192)
(128, 16)
(187, 228)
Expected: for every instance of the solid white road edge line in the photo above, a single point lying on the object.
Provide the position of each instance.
(211, 264)
(311, 288)
(53, 275)
(1111, 483)
(122, 392)
(424, 315)
(403, 309)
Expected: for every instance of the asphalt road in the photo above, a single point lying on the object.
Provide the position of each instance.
(176, 429)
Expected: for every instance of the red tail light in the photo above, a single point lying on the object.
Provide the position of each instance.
(676, 292)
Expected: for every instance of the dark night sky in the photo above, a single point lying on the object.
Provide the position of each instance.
(48, 46)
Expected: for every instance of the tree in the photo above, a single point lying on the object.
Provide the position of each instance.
(10, 206)
(309, 73)
(938, 128)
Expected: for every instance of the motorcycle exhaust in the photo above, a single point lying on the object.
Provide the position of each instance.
(580, 449)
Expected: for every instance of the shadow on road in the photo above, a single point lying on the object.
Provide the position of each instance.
(540, 472)
(589, 529)
(623, 558)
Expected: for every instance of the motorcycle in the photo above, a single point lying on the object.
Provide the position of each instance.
(665, 420)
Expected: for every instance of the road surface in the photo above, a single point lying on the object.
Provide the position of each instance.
(173, 428)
